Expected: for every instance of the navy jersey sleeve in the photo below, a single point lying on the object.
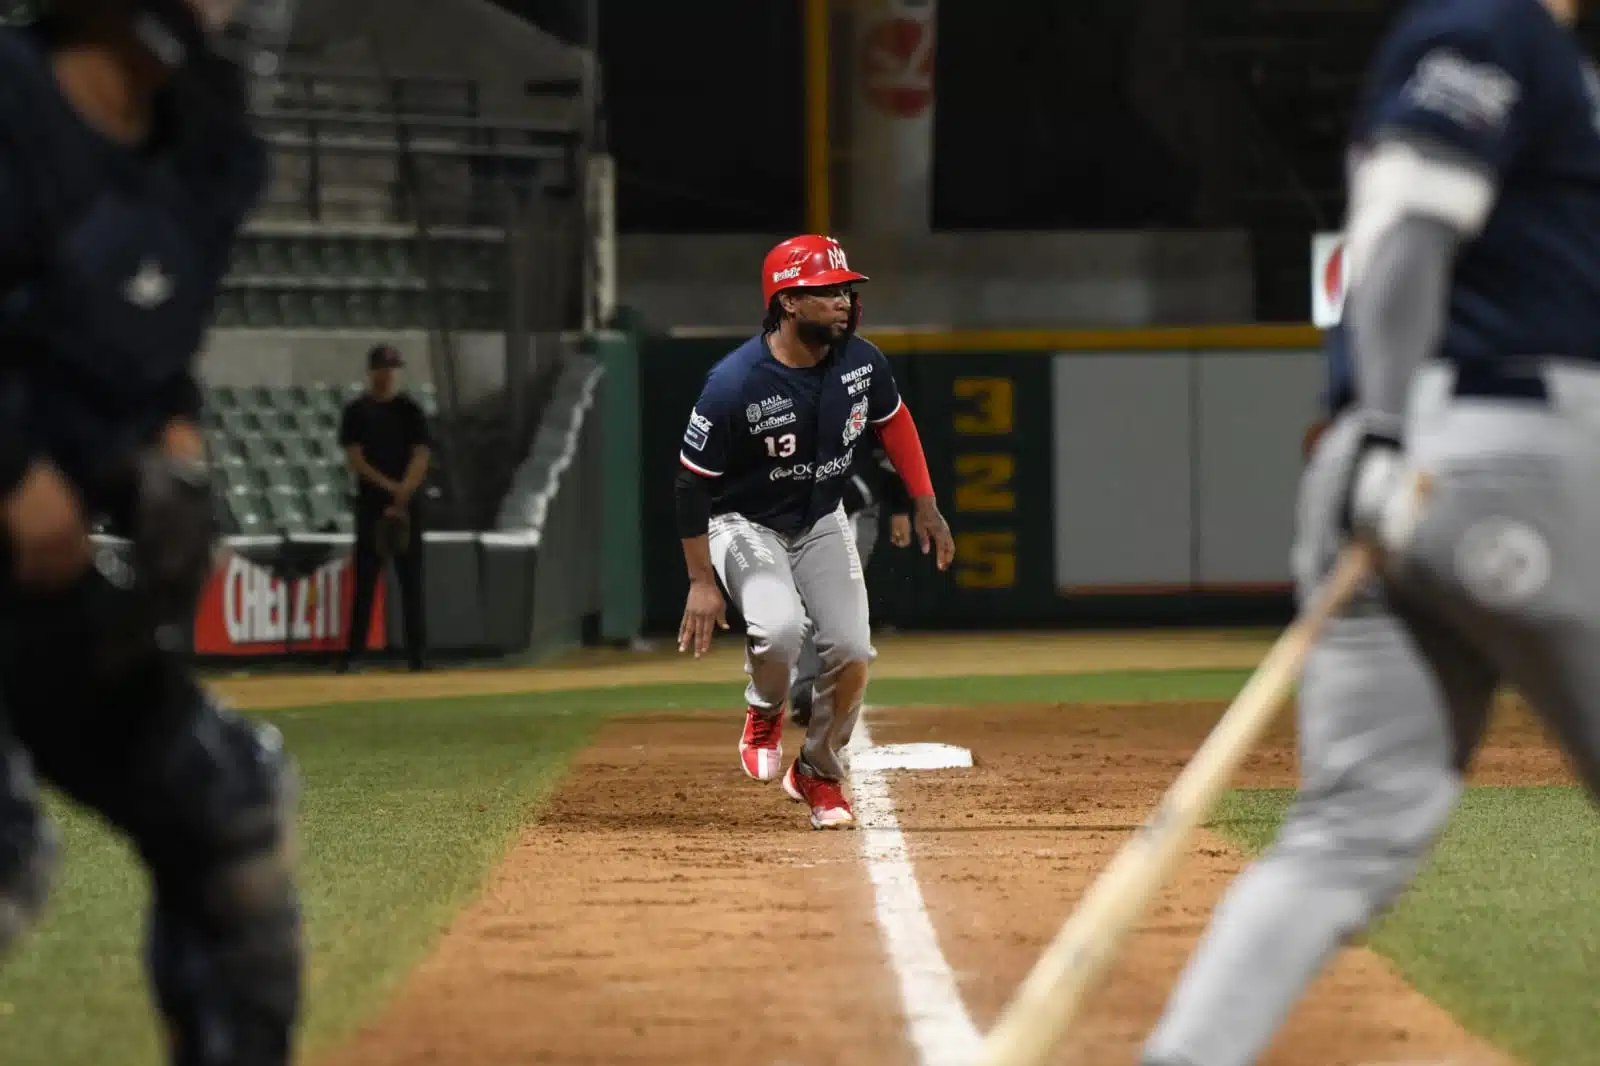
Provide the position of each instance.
(1464, 85)
(883, 397)
(706, 438)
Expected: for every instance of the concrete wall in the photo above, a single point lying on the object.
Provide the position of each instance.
(959, 280)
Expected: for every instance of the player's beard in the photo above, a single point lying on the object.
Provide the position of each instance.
(816, 334)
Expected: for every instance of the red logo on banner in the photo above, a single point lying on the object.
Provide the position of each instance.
(897, 66)
(245, 610)
(1333, 276)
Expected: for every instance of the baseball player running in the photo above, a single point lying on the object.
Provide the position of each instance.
(871, 485)
(126, 168)
(764, 463)
(1470, 455)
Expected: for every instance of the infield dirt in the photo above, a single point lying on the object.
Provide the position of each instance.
(668, 910)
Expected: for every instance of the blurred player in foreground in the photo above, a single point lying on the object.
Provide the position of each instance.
(1470, 454)
(764, 463)
(127, 166)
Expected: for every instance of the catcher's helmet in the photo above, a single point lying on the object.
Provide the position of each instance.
(804, 262)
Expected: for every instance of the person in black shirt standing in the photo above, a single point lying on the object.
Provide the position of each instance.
(386, 442)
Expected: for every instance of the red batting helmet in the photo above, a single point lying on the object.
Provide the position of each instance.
(802, 263)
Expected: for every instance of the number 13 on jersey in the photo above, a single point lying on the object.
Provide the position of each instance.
(781, 447)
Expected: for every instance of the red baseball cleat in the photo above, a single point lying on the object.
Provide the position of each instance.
(761, 746)
(829, 808)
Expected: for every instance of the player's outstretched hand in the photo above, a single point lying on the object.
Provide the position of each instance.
(900, 530)
(703, 615)
(933, 532)
(47, 529)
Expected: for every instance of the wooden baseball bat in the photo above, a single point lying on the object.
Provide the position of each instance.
(1051, 997)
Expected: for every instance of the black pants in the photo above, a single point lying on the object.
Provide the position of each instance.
(91, 703)
(369, 569)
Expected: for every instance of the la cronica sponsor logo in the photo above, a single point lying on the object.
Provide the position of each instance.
(786, 419)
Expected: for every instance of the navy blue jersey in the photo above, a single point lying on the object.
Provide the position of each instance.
(1504, 84)
(777, 442)
(110, 259)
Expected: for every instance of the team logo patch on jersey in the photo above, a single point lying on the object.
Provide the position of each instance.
(1503, 562)
(1473, 95)
(753, 413)
(856, 424)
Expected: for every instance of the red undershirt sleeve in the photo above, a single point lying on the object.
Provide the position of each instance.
(901, 440)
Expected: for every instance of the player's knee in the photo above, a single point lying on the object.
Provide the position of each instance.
(230, 848)
(779, 637)
(850, 650)
(27, 864)
(252, 873)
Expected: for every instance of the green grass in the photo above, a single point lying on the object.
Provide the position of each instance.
(1502, 928)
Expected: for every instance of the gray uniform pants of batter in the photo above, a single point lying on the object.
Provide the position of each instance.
(803, 678)
(1501, 584)
(793, 589)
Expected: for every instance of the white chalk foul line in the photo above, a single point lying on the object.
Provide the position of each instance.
(939, 1025)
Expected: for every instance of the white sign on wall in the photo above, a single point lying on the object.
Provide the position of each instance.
(1327, 279)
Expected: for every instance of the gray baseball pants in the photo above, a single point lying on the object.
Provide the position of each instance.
(808, 667)
(794, 590)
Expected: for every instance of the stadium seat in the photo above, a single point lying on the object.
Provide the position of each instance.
(325, 309)
(269, 258)
(326, 398)
(360, 309)
(259, 399)
(229, 309)
(324, 509)
(304, 262)
(260, 308)
(249, 522)
(286, 513)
